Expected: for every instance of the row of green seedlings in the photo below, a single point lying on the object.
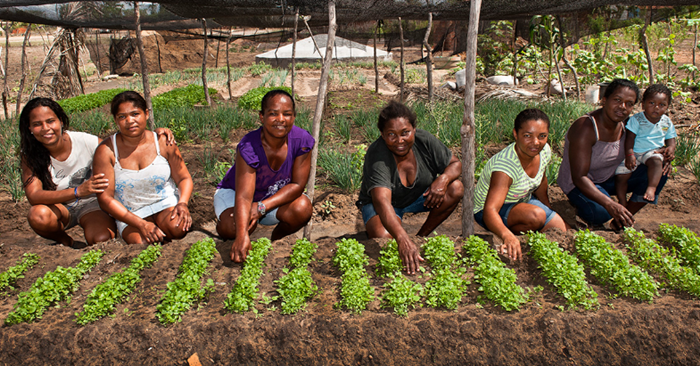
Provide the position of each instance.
(662, 262)
(297, 286)
(9, 278)
(446, 286)
(613, 268)
(563, 271)
(686, 241)
(52, 288)
(355, 289)
(496, 281)
(244, 293)
(104, 298)
(187, 288)
(399, 292)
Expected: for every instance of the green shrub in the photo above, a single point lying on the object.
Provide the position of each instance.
(181, 97)
(86, 102)
(253, 97)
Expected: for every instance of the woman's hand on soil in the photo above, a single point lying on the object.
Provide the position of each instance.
(151, 232)
(620, 214)
(511, 248)
(410, 256)
(181, 214)
(240, 248)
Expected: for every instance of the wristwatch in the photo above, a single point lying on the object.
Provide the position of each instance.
(261, 208)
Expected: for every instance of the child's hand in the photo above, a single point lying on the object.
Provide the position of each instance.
(669, 153)
(631, 162)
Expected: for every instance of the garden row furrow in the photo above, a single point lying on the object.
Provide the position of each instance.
(659, 260)
(496, 281)
(686, 241)
(104, 297)
(297, 286)
(446, 285)
(355, 289)
(186, 289)
(14, 273)
(563, 271)
(612, 267)
(245, 291)
(53, 287)
(400, 293)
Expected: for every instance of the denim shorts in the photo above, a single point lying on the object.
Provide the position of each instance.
(225, 198)
(595, 214)
(505, 211)
(79, 208)
(418, 205)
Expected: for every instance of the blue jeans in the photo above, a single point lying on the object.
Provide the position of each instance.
(595, 214)
(418, 205)
(505, 211)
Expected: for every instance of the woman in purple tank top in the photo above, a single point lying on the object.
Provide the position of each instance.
(593, 148)
(266, 183)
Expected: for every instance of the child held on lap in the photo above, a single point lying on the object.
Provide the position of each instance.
(650, 140)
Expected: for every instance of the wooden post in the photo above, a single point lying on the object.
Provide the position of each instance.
(695, 45)
(320, 103)
(645, 45)
(294, 47)
(218, 47)
(5, 92)
(74, 56)
(228, 62)
(144, 69)
(429, 58)
(401, 66)
(567, 63)
(97, 52)
(312, 37)
(376, 69)
(468, 130)
(515, 52)
(204, 63)
(24, 68)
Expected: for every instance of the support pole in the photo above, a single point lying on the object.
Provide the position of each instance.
(204, 63)
(401, 66)
(228, 62)
(429, 58)
(7, 27)
(24, 68)
(645, 45)
(294, 47)
(144, 69)
(320, 103)
(468, 130)
(312, 36)
(376, 69)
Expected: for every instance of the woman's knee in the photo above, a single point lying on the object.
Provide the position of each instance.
(99, 236)
(41, 217)
(297, 213)
(528, 217)
(455, 191)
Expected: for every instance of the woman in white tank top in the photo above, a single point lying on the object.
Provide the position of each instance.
(149, 184)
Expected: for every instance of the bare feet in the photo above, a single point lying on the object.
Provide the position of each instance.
(650, 194)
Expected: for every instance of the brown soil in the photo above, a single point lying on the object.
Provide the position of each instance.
(623, 331)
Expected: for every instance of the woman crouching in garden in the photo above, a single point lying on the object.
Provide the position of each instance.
(266, 183)
(511, 195)
(149, 184)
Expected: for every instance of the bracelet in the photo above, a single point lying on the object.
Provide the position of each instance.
(630, 154)
(75, 192)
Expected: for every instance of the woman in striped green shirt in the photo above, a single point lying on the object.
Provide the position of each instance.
(511, 195)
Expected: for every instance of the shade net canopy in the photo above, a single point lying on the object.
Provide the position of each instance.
(179, 14)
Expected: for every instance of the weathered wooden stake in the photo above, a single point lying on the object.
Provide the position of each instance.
(5, 92)
(468, 130)
(144, 69)
(294, 47)
(24, 68)
(401, 66)
(228, 62)
(204, 63)
(320, 104)
(429, 58)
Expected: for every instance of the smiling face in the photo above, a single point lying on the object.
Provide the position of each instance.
(531, 138)
(46, 127)
(131, 119)
(399, 136)
(655, 107)
(618, 106)
(278, 116)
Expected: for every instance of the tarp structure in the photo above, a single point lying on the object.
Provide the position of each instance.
(179, 14)
(343, 50)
